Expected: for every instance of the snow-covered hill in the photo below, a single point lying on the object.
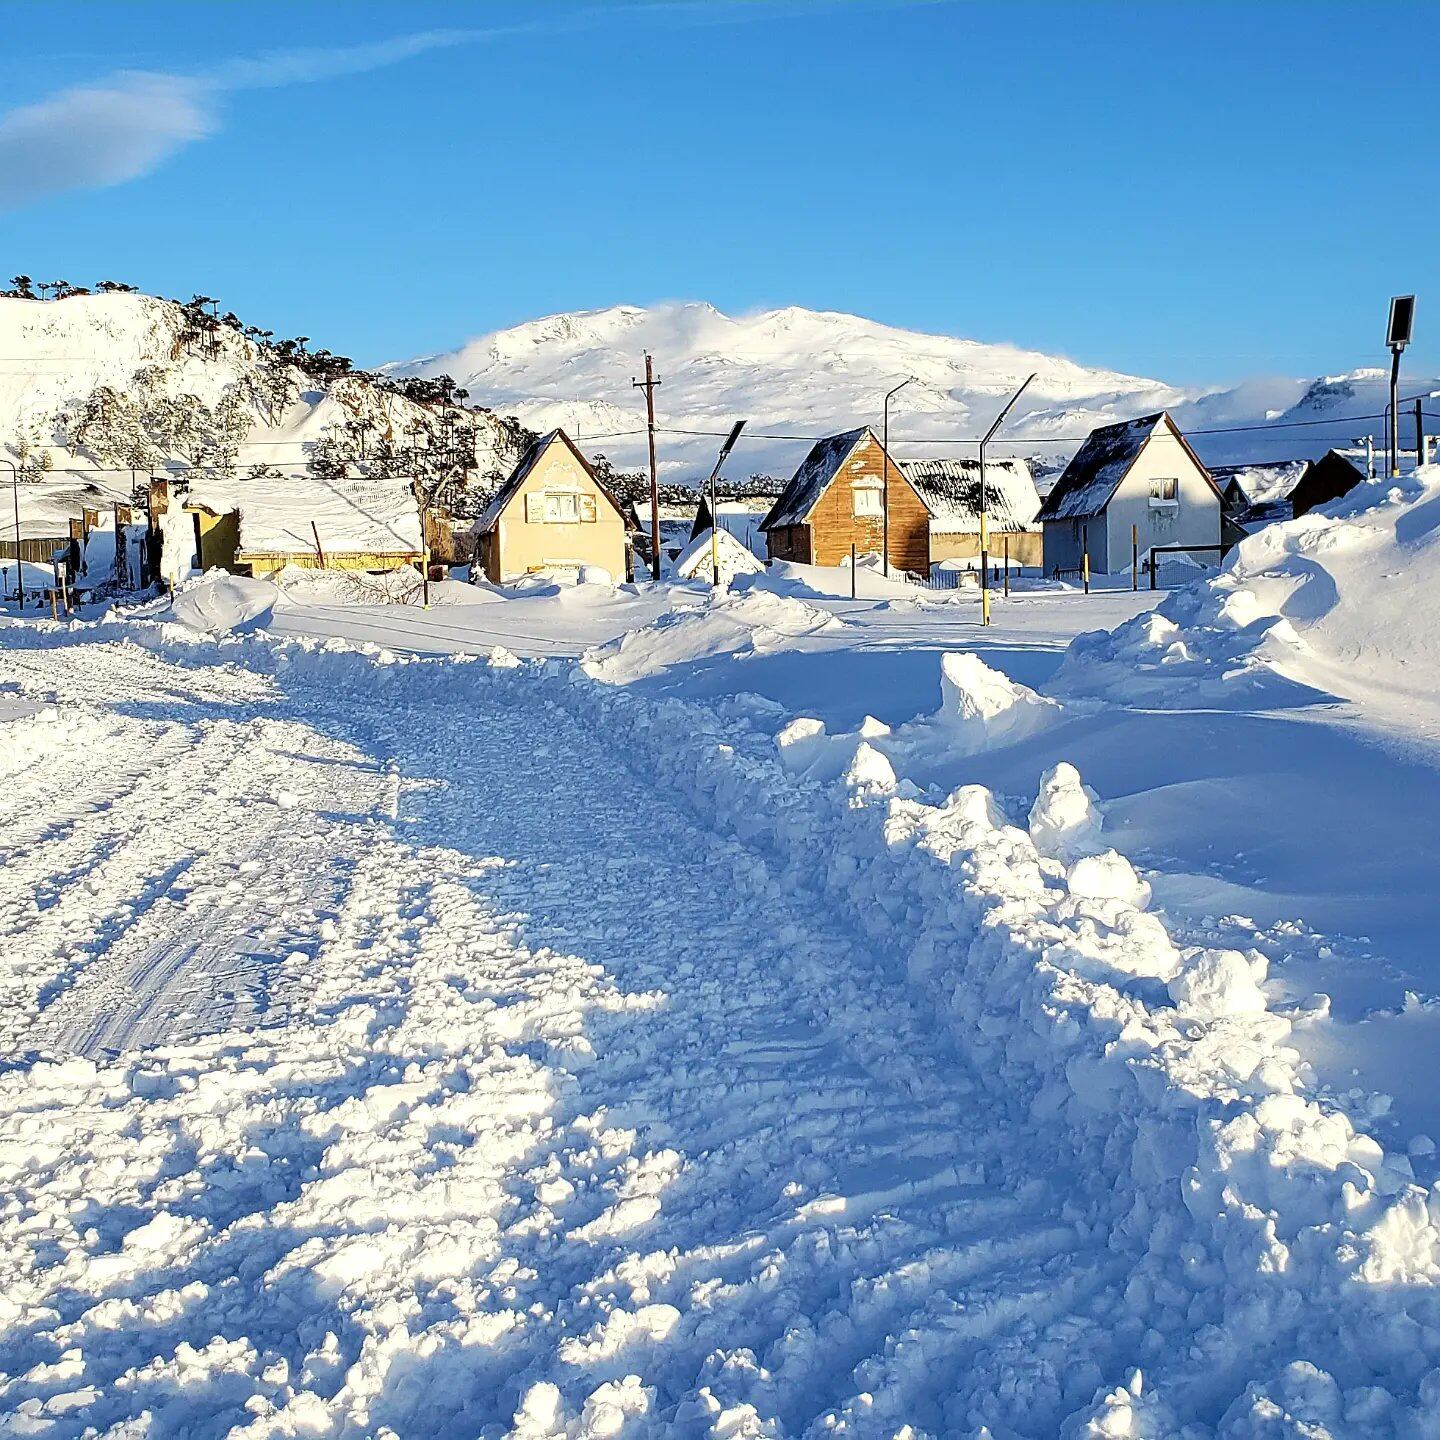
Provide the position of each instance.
(802, 372)
(94, 387)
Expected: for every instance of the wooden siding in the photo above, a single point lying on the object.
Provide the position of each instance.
(834, 526)
(37, 551)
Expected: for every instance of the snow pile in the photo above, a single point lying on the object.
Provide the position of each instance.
(1344, 601)
(832, 582)
(221, 604)
(1258, 1227)
(980, 709)
(698, 560)
(752, 623)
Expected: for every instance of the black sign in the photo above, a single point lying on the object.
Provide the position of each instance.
(1402, 321)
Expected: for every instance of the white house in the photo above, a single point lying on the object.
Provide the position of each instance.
(1138, 473)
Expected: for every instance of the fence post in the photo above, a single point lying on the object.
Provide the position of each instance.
(1152, 567)
(1005, 550)
(1134, 557)
(1085, 556)
(852, 569)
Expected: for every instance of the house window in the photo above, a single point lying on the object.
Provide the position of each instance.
(559, 507)
(1166, 488)
(869, 500)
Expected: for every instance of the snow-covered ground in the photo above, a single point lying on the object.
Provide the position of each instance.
(801, 1016)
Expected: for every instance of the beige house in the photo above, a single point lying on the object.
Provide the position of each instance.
(551, 514)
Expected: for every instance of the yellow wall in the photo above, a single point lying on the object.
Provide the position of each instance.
(1026, 547)
(518, 546)
(260, 563)
(219, 536)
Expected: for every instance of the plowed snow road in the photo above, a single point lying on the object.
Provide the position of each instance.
(433, 1076)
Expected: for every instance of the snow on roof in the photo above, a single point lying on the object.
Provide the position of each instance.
(810, 481)
(359, 515)
(47, 506)
(950, 489)
(1262, 481)
(1100, 464)
(694, 561)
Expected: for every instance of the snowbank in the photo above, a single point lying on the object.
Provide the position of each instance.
(752, 623)
(222, 604)
(1344, 601)
(785, 577)
(1258, 1226)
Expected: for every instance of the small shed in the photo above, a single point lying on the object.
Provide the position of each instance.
(1325, 479)
(838, 499)
(1136, 473)
(552, 514)
(952, 494)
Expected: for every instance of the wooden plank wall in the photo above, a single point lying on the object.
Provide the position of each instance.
(834, 526)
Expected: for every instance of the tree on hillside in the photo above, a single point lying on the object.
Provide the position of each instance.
(23, 288)
(116, 287)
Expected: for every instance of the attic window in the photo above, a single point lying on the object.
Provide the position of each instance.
(868, 500)
(559, 507)
(1165, 489)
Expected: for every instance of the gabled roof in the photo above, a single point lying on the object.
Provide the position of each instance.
(1091, 479)
(490, 516)
(813, 478)
(950, 490)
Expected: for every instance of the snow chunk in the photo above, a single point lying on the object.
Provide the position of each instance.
(221, 604)
(1107, 876)
(1217, 983)
(1066, 819)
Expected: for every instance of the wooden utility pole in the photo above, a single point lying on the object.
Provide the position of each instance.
(648, 385)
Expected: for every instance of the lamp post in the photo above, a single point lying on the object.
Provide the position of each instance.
(985, 504)
(1397, 337)
(885, 489)
(725, 450)
(19, 564)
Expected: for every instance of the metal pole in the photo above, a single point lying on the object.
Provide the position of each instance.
(985, 504)
(1134, 557)
(1419, 433)
(852, 569)
(1006, 543)
(725, 450)
(885, 487)
(1085, 555)
(19, 564)
(1394, 411)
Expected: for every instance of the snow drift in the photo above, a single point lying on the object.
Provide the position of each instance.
(1343, 602)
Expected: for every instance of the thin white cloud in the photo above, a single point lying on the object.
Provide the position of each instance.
(127, 124)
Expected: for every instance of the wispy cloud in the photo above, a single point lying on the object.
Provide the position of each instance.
(127, 124)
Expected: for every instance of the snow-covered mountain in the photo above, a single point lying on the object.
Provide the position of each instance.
(803, 372)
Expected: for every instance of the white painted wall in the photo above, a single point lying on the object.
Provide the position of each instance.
(1195, 520)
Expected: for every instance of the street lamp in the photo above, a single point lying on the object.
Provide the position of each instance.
(725, 450)
(885, 492)
(985, 506)
(1397, 337)
(19, 566)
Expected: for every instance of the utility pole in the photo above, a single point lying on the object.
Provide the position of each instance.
(985, 504)
(885, 489)
(648, 385)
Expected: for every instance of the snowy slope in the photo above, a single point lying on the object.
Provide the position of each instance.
(174, 391)
(814, 373)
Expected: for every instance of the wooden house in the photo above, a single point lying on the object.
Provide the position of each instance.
(951, 491)
(1137, 473)
(838, 499)
(552, 514)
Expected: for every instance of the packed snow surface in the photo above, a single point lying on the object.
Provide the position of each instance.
(475, 1047)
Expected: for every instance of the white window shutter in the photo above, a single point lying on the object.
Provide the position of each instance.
(535, 508)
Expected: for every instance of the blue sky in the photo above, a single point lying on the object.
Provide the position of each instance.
(1190, 191)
